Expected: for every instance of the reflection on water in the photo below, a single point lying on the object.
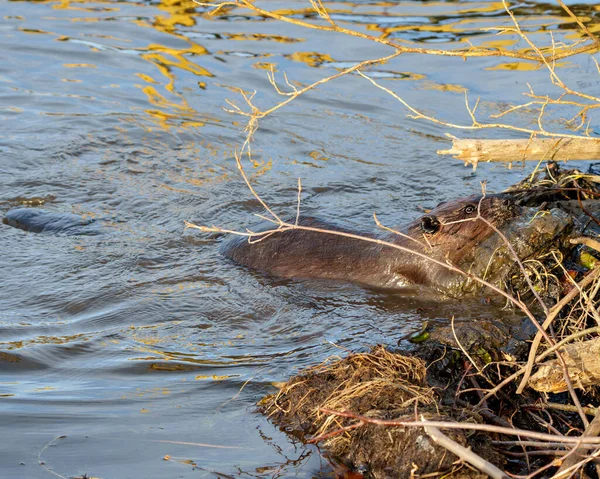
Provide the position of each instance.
(142, 345)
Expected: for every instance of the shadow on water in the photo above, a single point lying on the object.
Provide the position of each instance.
(141, 344)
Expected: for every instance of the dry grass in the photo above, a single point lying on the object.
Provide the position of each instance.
(378, 383)
(375, 378)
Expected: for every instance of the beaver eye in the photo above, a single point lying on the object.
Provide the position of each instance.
(469, 209)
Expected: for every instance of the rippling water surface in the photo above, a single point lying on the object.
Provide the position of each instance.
(142, 343)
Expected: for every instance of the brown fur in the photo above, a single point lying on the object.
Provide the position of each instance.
(443, 234)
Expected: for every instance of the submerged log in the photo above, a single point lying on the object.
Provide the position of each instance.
(583, 363)
(473, 151)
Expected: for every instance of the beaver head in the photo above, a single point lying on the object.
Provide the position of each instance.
(454, 228)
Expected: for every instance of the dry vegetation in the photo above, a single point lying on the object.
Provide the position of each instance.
(369, 408)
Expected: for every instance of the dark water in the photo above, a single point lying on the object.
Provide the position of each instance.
(143, 342)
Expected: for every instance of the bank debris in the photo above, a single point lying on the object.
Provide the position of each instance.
(376, 384)
(486, 398)
(474, 151)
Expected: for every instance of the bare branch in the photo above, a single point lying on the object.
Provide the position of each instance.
(463, 453)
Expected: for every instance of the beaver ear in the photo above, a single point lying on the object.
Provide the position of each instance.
(430, 224)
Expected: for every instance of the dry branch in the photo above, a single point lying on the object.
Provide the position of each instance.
(570, 464)
(576, 440)
(545, 56)
(471, 51)
(465, 454)
(548, 321)
(473, 151)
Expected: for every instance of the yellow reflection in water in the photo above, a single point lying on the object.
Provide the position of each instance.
(317, 155)
(457, 27)
(9, 345)
(214, 377)
(164, 63)
(146, 78)
(155, 98)
(11, 358)
(68, 5)
(500, 43)
(312, 59)
(170, 59)
(263, 36)
(79, 65)
(517, 66)
(481, 8)
(35, 31)
(170, 367)
(592, 27)
(167, 60)
(180, 12)
(269, 66)
(431, 85)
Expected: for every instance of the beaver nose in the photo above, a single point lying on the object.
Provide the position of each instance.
(506, 201)
(508, 206)
(430, 224)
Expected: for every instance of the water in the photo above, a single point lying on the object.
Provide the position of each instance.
(142, 351)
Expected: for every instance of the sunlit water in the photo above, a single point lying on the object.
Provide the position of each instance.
(142, 342)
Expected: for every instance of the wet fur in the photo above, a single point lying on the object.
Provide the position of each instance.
(36, 220)
(308, 254)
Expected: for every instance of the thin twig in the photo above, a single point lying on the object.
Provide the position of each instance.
(549, 318)
(592, 430)
(463, 453)
(42, 463)
(401, 48)
(416, 114)
(462, 425)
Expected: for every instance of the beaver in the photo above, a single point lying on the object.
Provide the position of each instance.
(37, 220)
(450, 233)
